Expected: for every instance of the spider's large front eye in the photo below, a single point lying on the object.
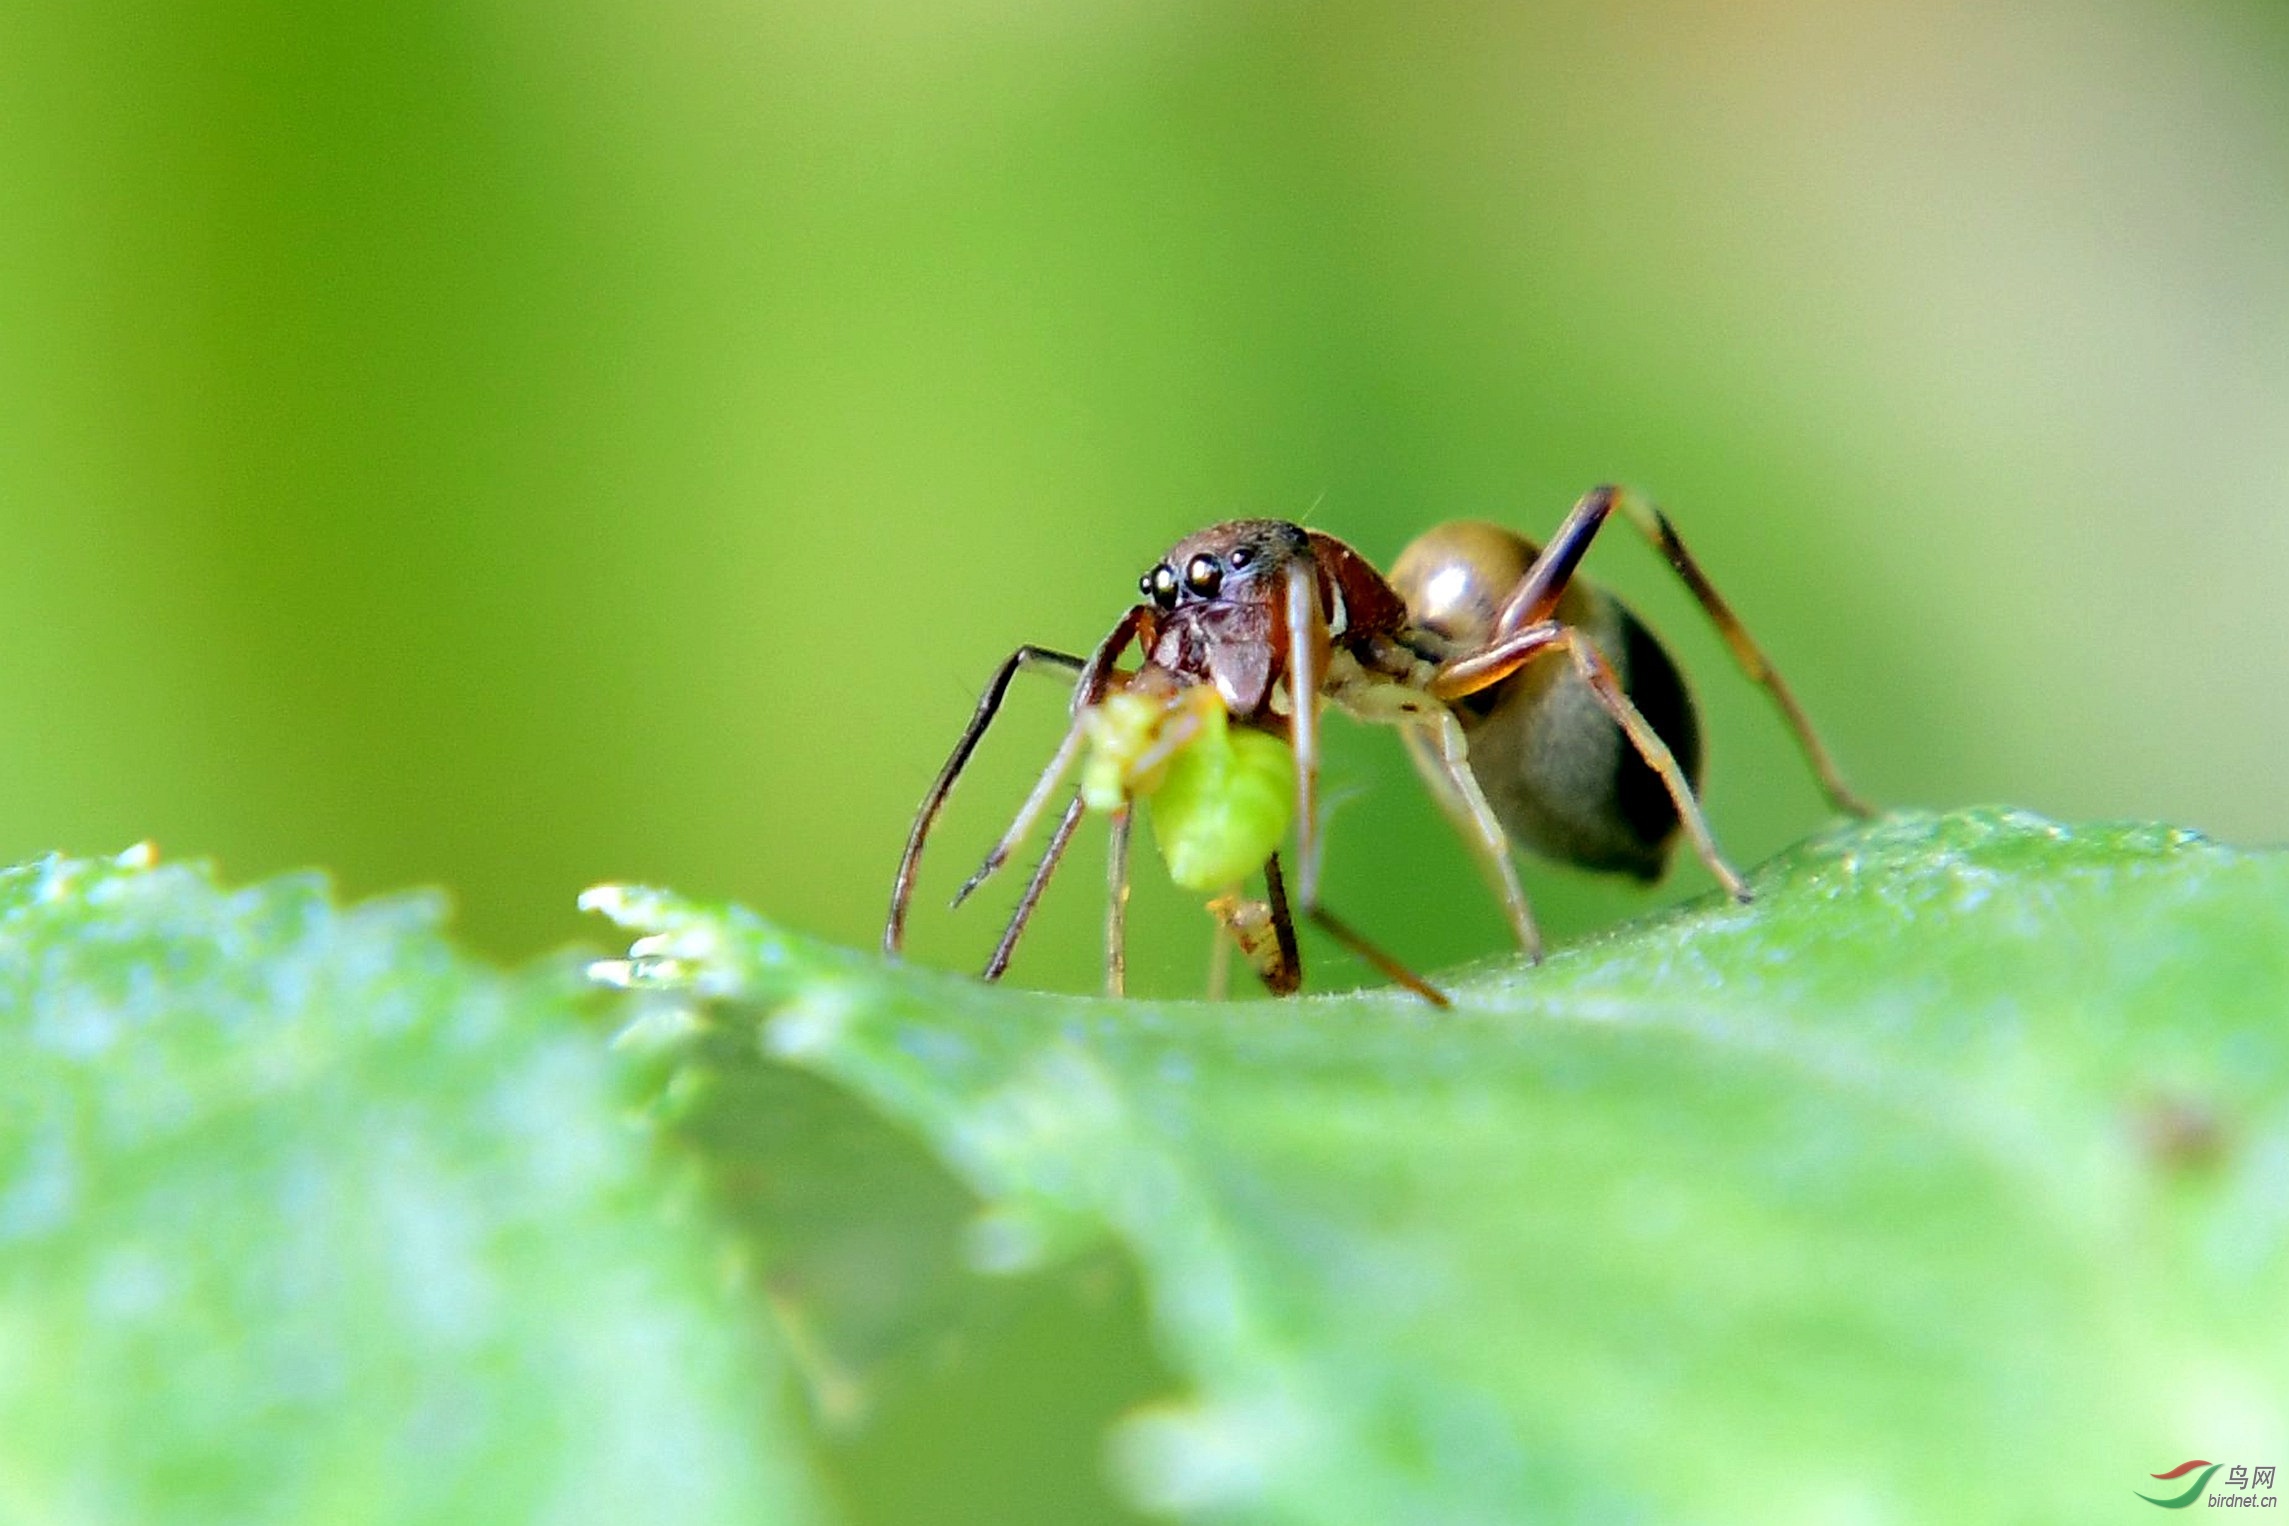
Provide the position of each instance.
(1203, 576)
(1159, 585)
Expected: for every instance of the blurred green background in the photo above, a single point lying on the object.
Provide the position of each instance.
(508, 446)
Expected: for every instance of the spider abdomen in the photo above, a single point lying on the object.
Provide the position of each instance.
(1558, 772)
(1562, 778)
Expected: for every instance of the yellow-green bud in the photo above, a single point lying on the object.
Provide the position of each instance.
(1223, 806)
(1120, 728)
(1221, 801)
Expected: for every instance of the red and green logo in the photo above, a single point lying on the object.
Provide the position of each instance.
(2181, 1501)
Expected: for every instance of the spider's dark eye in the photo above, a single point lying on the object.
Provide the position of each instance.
(1241, 558)
(1203, 576)
(1159, 585)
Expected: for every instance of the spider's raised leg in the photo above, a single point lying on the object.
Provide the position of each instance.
(1025, 658)
(1536, 597)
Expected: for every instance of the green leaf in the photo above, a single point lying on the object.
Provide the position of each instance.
(1949, 1180)
(305, 1218)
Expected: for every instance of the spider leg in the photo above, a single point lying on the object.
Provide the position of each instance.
(1095, 680)
(1442, 757)
(999, 964)
(1307, 634)
(1024, 659)
(1599, 675)
(1117, 903)
(1535, 600)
